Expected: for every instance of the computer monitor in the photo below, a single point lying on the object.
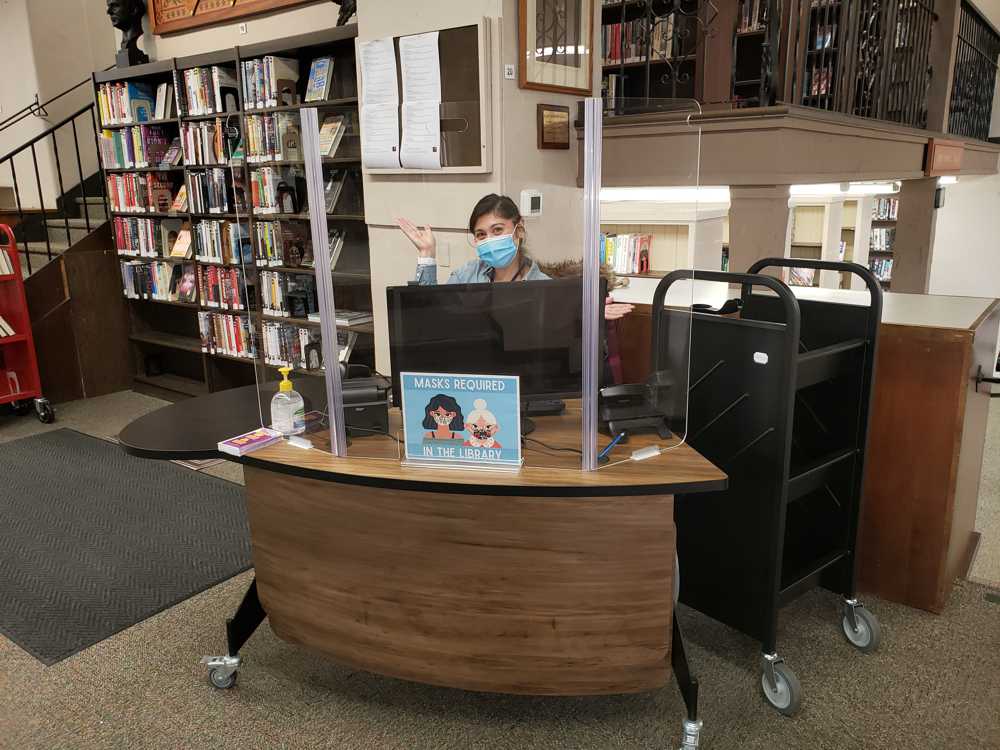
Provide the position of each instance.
(533, 329)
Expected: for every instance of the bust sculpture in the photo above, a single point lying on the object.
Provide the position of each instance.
(126, 16)
(347, 10)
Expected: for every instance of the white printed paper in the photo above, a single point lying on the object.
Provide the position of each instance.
(380, 135)
(421, 147)
(420, 65)
(378, 72)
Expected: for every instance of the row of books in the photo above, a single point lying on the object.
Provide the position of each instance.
(818, 80)
(285, 295)
(204, 143)
(228, 334)
(167, 282)
(222, 242)
(277, 190)
(138, 147)
(270, 82)
(6, 329)
(223, 287)
(151, 238)
(882, 239)
(6, 266)
(885, 209)
(288, 345)
(273, 137)
(626, 253)
(751, 15)
(881, 267)
(139, 193)
(125, 103)
(210, 90)
(825, 37)
(627, 42)
(210, 192)
(282, 243)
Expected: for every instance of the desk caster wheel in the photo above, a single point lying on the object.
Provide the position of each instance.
(43, 409)
(864, 633)
(221, 679)
(786, 693)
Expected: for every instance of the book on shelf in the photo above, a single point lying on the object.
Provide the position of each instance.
(270, 82)
(139, 193)
(612, 86)
(320, 78)
(223, 287)
(204, 143)
(826, 36)
(135, 147)
(348, 318)
(333, 187)
(801, 276)
(751, 15)
(175, 238)
(165, 102)
(138, 237)
(173, 155)
(273, 137)
(6, 329)
(180, 202)
(226, 333)
(248, 442)
(882, 239)
(166, 282)
(223, 242)
(210, 90)
(331, 132)
(626, 253)
(210, 193)
(126, 103)
(885, 209)
(336, 242)
(881, 267)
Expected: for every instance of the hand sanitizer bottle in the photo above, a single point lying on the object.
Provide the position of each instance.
(288, 410)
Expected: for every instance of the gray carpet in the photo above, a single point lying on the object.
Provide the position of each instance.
(95, 540)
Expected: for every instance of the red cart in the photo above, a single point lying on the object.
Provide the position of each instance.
(19, 382)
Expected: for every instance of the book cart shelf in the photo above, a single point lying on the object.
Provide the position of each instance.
(167, 341)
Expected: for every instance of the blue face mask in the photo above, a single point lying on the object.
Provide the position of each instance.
(497, 252)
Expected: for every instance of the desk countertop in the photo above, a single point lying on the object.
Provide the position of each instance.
(191, 429)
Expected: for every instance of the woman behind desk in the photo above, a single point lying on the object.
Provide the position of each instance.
(497, 228)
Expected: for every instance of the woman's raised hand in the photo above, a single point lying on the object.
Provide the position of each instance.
(421, 237)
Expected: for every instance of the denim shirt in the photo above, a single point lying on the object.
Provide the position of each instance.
(473, 272)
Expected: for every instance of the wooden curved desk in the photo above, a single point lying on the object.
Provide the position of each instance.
(546, 581)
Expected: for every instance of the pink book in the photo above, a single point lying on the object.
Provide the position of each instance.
(249, 441)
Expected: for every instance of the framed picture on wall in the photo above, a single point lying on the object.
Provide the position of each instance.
(553, 126)
(556, 43)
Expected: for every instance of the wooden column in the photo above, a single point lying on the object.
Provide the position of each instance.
(758, 222)
(862, 237)
(944, 41)
(912, 248)
(833, 220)
(714, 69)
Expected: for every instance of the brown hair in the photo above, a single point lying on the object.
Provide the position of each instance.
(500, 205)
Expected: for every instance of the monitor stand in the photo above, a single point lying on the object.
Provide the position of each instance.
(541, 407)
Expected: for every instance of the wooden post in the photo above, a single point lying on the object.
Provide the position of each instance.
(758, 221)
(714, 69)
(911, 250)
(941, 58)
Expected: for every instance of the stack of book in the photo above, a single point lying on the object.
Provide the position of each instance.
(139, 193)
(270, 82)
(138, 238)
(223, 287)
(133, 148)
(204, 143)
(167, 282)
(166, 102)
(288, 345)
(222, 242)
(883, 239)
(209, 91)
(287, 295)
(331, 133)
(282, 243)
(881, 267)
(210, 192)
(349, 318)
(626, 253)
(273, 137)
(6, 329)
(264, 187)
(226, 334)
(885, 209)
(751, 15)
(126, 103)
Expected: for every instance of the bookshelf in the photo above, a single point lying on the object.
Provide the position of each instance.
(205, 331)
(749, 38)
(885, 210)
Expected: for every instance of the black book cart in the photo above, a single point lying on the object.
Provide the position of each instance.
(779, 399)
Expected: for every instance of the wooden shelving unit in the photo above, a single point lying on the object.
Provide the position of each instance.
(165, 341)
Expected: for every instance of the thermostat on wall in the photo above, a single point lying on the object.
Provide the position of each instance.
(531, 203)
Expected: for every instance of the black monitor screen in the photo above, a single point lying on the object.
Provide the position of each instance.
(533, 329)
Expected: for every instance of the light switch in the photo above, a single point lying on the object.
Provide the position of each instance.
(508, 72)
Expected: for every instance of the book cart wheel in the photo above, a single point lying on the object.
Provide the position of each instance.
(786, 692)
(46, 414)
(864, 633)
(220, 678)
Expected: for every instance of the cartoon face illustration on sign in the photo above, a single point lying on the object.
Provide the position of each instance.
(482, 426)
(443, 417)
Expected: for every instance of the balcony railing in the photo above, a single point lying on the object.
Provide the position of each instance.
(975, 76)
(868, 58)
